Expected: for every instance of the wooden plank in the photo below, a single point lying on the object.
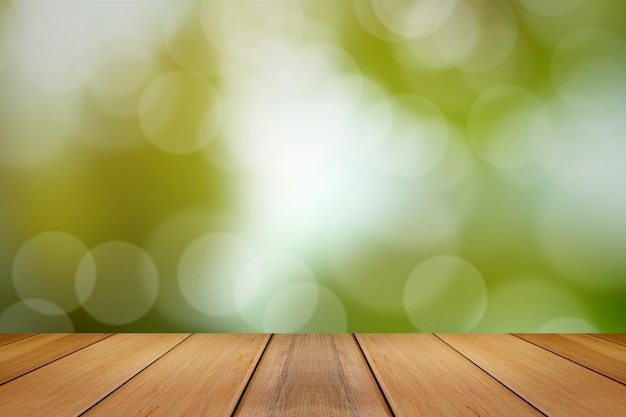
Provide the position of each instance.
(31, 353)
(554, 385)
(613, 337)
(312, 375)
(72, 384)
(421, 376)
(203, 376)
(600, 355)
(6, 338)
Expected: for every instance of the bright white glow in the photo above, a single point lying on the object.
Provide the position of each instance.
(296, 140)
(313, 149)
(53, 42)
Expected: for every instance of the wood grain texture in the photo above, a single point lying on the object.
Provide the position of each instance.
(554, 385)
(203, 376)
(6, 338)
(600, 355)
(613, 337)
(312, 375)
(31, 353)
(422, 376)
(72, 384)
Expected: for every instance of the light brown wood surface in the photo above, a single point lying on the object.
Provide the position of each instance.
(203, 376)
(594, 353)
(617, 338)
(72, 384)
(312, 375)
(24, 355)
(422, 376)
(553, 384)
(6, 338)
(367, 375)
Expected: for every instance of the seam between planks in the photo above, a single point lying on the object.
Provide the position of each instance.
(55, 359)
(369, 367)
(599, 336)
(254, 369)
(570, 359)
(491, 375)
(17, 340)
(133, 376)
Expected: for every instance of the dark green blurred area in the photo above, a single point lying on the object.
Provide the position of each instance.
(281, 166)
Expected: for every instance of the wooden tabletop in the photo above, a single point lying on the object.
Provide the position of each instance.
(312, 375)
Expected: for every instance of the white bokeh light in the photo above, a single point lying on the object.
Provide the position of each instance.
(180, 112)
(166, 245)
(581, 230)
(273, 272)
(45, 268)
(25, 317)
(567, 325)
(211, 274)
(525, 303)
(368, 18)
(478, 36)
(414, 135)
(594, 73)
(122, 287)
(252, 30)
(119, 80)
(329, 316)
(413, 18)
(445, 294)
(572, 136)
(368, 272)
(187, 44)
(500, 125)
(291, 308)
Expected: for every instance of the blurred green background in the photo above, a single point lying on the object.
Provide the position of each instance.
(313, 166)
